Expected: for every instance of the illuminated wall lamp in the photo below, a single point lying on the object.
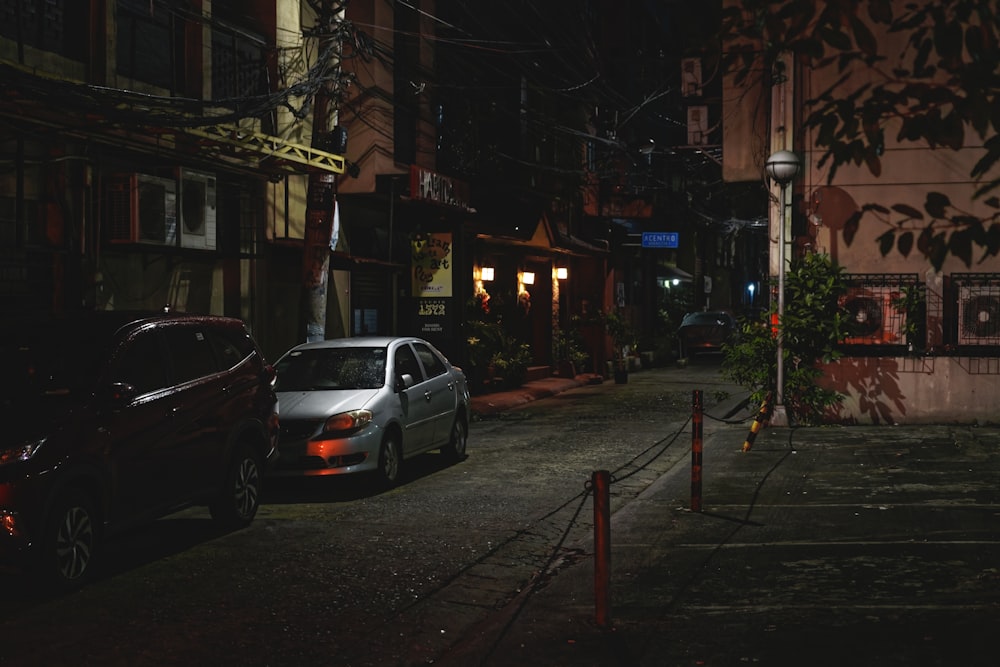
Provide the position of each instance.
(487, 273)
(562, 273)
(528, 278)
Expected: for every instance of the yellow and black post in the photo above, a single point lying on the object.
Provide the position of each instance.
(758, 422)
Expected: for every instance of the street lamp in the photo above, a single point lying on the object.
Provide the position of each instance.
(781, 167)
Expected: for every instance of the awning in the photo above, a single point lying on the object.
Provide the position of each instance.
(673, 273)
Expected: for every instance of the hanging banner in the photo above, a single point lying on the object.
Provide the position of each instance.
(431, 265)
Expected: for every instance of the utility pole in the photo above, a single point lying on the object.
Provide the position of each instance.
(321, 198)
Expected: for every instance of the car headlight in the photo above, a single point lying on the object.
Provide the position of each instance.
(21, 452)
(353, 420)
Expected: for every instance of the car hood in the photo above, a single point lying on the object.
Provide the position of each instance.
(24, 421)
(317, 404)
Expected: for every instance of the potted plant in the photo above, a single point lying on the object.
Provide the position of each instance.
(622, 340)
(569, 353)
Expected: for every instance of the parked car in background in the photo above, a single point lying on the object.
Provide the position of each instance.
(112, 419)
(706, 331)
(367, 405)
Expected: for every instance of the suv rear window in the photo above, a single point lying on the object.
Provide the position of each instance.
(231, 346)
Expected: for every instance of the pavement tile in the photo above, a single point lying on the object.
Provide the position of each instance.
(858, 545)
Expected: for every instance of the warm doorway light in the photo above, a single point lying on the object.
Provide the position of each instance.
(562, 273)
(528, 278)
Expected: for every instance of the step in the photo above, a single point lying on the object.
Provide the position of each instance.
(537, 373)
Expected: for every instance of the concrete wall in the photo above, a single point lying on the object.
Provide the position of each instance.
(916, 390)
(897, 390)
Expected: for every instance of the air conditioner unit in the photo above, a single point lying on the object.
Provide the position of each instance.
(873, 319)
(142, 209)
(198, 201)
(697, 126)
(979, 315)
(691, 77)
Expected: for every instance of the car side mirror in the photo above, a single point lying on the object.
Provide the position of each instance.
(119, 394)
(270, 375)
(405, 381)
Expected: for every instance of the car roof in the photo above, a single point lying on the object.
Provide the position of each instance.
(703, 315)
(357, 341)
(108, 322)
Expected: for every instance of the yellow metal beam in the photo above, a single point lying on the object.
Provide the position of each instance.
(266, 146)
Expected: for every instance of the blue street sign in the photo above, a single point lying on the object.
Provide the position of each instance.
(660, 239)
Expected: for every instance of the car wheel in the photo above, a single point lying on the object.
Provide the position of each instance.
(236, 505)
(390, 461)
(455, 449)
(71, 543)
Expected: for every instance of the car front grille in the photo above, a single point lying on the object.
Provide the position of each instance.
(319, 463)
(298, 430)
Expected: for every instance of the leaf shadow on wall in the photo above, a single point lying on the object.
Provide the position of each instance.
(873, 382)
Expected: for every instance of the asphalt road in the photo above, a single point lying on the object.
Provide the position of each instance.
(334, 573)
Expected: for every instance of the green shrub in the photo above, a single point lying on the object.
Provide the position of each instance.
(812, 326)
(492, 352)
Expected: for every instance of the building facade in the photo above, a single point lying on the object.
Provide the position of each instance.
(177, 153)
(898, 210)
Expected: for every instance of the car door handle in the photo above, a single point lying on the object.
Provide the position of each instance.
(427, 396)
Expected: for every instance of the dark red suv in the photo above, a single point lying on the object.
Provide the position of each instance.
(112, 419)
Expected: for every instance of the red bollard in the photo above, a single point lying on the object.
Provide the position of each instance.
(601, 484)
(696, 426)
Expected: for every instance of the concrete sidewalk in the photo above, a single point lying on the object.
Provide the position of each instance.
(866, 545)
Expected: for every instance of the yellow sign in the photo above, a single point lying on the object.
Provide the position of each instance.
(432, 265)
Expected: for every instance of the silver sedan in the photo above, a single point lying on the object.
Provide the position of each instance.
(366, 405)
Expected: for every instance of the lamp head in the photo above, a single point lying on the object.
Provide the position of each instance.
(782, 167)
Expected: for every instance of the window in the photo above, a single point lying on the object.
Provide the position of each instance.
(406, 362)
(432, 363)
(364, 322)
(56, 26)
(142, 364)
(145, 42)
(238, 64)
(230, 350)
(191, 353)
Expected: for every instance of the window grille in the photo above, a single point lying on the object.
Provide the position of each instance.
(886, 314)
(975, 318)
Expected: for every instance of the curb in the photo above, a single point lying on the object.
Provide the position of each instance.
(488, 405)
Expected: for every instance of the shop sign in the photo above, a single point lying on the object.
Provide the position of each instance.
(660, 239)
(427, 185)
(431, 315)
(431, 265)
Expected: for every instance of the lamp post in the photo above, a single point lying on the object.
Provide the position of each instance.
(781, 167)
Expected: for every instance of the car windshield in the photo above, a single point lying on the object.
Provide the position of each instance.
(321, 369)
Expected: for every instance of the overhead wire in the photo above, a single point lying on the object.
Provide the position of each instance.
(535, 49)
